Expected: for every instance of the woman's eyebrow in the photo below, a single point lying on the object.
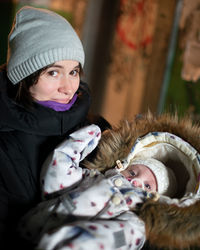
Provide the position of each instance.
(77, 67)
(56, 66)
(61, 67)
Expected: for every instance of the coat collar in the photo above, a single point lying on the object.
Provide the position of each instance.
(41, 120)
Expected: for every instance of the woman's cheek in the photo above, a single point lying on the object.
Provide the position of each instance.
(48, 89)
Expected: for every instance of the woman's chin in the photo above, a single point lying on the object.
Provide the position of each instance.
(62, 101)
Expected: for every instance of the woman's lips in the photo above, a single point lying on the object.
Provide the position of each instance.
(62, 100)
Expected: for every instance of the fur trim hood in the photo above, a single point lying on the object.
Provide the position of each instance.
(162, 219)
(116, 143)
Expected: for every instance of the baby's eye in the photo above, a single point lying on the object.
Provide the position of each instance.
(147, 186)
(53, 73)
(132, 173)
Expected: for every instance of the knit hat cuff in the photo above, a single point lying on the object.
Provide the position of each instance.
(165, 178)
(41, 60)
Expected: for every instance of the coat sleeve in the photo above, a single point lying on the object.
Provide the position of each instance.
(94, 201)
(11, 209)
(3, 210)
(13, 200)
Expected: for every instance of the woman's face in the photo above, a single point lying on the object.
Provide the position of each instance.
(139, 173)
(57, 83)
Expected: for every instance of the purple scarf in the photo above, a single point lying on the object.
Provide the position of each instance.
(58, 106)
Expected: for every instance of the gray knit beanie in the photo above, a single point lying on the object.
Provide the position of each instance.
(39, 38)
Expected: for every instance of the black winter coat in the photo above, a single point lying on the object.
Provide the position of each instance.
(26, 138)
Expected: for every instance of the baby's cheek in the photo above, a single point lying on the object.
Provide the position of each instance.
(125, 174)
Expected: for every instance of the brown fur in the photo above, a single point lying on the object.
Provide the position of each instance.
(167, 226)
(171, 227)
(117, 142)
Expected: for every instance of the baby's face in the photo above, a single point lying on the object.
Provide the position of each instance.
(140, 173)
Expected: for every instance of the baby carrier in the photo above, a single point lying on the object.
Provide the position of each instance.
(170, 223)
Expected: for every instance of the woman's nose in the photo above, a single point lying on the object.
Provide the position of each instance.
(65, 86)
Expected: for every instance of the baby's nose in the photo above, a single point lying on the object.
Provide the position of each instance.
(136, 183)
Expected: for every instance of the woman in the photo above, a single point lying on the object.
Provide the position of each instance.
(42, 100)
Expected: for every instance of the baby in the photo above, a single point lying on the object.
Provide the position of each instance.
(149, 174)
(84, 208)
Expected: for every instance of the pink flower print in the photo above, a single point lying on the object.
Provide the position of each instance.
(92, 227)
(98, 134)
(109, 213)
(101, 246)
(106, 226)
(137, 242)
(121, 224)
(91, 132)
(54, 163)
(129, 201)
(105, 204)
(73, 158)
(70, 245)
(61, 186)
(93, 204)
(69, 172)
(78, 141)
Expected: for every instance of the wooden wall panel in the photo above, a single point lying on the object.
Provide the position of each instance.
(138, 58)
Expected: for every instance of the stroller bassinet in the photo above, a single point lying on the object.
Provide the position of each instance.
(169, 223)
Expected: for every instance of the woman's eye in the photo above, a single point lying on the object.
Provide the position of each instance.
(53, 73)
(75, 72)
(147, 186)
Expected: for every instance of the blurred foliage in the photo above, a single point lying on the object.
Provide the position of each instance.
(7, 14)
(66, 15)
(182, 97)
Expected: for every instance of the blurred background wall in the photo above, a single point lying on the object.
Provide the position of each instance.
(140, 54)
